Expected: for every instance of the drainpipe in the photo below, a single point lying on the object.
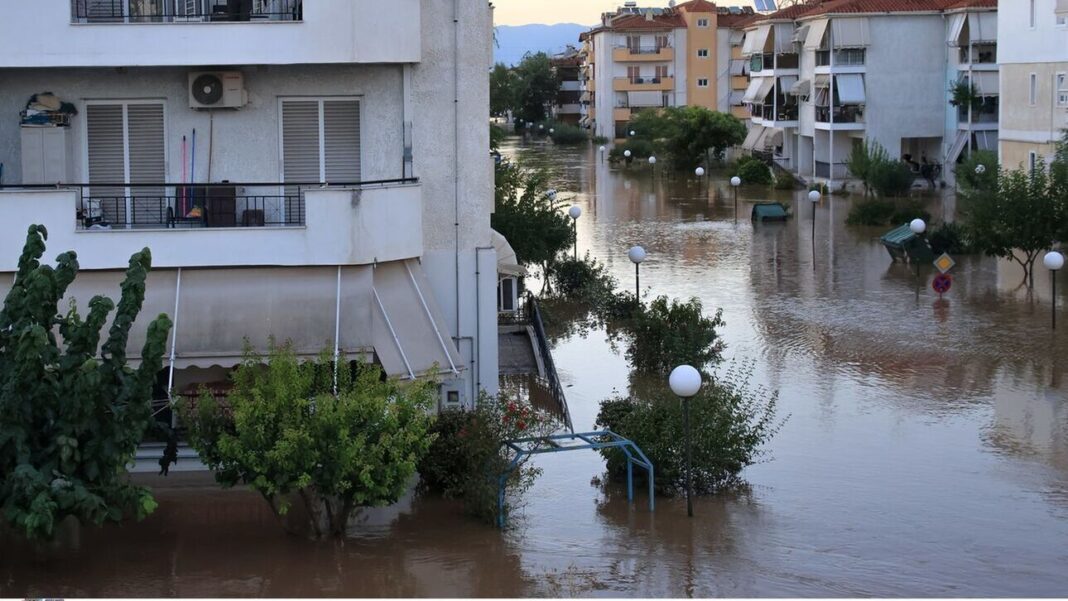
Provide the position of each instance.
(456, 149)
(834, 80)
(478, 310)
(971, 83)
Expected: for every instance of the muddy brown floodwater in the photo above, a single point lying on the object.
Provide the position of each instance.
(926, 451)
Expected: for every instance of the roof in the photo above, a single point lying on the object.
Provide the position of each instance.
(631, 22)
(738, 21)
(958, 4)
(877, 6)
(697, 6)
(796, 11)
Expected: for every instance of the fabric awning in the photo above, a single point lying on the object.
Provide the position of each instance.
(801, 87)
(850, 32)
(784, 38)
(754, 87)
(645, 98)
(850, 88)
(1062, 7)
(773, 139)
(736, 37)
(756, 40)
(816, 32)
(956, 25)
(738, 66)
(410, 336)
(986, 82)
(822, 81)
(983, 27)
(736, 97)
(957, 148)
(507, 262)
(787, 83)
(801, 33)
(756, 132)
(986, 140)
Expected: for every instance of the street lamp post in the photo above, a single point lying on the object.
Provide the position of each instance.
(1053, 262)
(637, 256)
(700, 173)
(652, 161)
(814, 197)
(685, 382)
(918, 227)
(575, 212)
(735, 182)
(601, 150)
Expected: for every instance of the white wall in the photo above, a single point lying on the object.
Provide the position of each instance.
(40, 34)
(723, 69)
(1018, 42)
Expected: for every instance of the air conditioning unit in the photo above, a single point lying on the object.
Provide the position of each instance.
(217, 90)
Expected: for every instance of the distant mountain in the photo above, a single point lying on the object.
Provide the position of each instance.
(513, 41)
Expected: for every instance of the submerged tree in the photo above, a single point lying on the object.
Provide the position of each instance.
(529, 216)
(689, 135)
(71, 411)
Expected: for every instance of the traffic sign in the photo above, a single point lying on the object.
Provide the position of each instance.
(942, 283)
(944, 263)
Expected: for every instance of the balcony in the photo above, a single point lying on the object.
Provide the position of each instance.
(293, 225)
(846, 114)
(642, 84)
(847, 57)
(219, 33)
(164, 11)
(768, 112)
(986, 113)
(569, 109)
(979, 54)
(643, 54)
(621, 113)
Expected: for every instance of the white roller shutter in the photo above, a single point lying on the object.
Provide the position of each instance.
(126, 144)
(816, 32)
(850, 32)
(148, 165)
(300, 141)
(341, 141)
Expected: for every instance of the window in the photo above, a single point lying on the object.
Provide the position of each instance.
(1032, 89)
(702, 83)
(702, 23)
(1031, 14)
(634, 74)
(1032, 162)
(1062, 20)
(634, 43)
(125, 144)
(702, 53)
(661, 73)
(1062, 89)
(320, 142)
(661, 42)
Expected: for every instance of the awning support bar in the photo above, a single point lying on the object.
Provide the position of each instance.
(393, 333)
(430, 316)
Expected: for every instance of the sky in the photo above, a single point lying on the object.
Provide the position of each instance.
(583, 12)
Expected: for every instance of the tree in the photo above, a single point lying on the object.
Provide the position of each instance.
(689, 135)
(284, 433)
(1018, 217)
(536, 88)
(72, 412)
(862, 160)
(672, 333)
(502, 90)
(528, 216)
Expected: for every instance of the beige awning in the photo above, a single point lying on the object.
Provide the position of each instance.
(756, 40)
(986, 82)
(787, 83)
(986, 140)
(645, 98)
(956, 25)
(958, 146)
(983, 27)
(816, 32)
(801, 33)
(773, 139)
(410, 336)
(759, 89)
(756, 132)
(736, 37)
(801, 87)
(850, 32)
(822, 81)
(507, 263)
(751, 91)
(784, 38)
(737, 66)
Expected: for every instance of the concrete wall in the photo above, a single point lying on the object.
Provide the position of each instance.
(1018, 42)
(723, 70)
(40, 34)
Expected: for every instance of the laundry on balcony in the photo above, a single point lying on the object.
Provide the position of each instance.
(45, 108)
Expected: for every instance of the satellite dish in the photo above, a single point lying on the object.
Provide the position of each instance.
(207, 89)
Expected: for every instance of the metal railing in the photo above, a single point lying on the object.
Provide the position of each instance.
(847, 57)
(180, 11)
(842, 114)
(552, 379)
(171, 205)
(643, 49)
(981, 54)
(642, 80)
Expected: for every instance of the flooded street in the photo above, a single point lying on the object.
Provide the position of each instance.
(925, 454)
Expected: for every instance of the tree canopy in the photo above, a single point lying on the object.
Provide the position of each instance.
(689, 135)
(528, 90)
(528, 216)
(503, 84)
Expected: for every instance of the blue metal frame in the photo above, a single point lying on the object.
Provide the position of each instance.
(601, 439)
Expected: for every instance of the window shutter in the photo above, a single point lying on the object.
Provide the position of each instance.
(300, 141)
(341, 144)
(144, 130)
(107, 158)
(102, 11)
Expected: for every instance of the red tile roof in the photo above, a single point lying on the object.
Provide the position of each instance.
(697, 6)
(958, 4)
(664, 21)
(876, 6)
(796, 11)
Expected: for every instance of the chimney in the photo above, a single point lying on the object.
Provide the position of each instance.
(649, 16)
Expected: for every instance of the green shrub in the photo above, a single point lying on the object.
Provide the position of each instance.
(671, 333)
(785, 181)
(949, 238)
(286, 434)
(467, 454)
(563, 133)
(729, 425)
(891, 178)
(907, 209)
(585, 280)
(751, 170)
(871, 211)
(639, 148)
(600, 140)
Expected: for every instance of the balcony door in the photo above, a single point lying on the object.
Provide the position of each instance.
(634, 74)
(320, 144)
(126, 161)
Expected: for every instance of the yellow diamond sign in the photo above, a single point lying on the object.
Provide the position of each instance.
(944, 263)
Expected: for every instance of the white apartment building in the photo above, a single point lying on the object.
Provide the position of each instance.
(1033, 58)
(825, 76)
(316, 171)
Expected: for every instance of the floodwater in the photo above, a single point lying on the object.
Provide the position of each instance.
(925, 454)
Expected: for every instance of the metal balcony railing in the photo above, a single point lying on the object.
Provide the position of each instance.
(641, 80)
(980, 54)
(643, 49)
(842, 114)
(180, 11)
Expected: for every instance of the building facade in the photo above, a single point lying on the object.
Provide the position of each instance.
(567, 108)
(295, 169)
(1033, 60)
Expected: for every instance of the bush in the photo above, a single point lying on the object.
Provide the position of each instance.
(785, 181)
(729, 425)
(528, 216)
(284, 433)
(905, 210)
(72, 412)
(584, 280)
(891, 178)
(949, 238)
(672, 333)
(871, 211)
(600, 140)
(752, 171)
(639, 149)
(564, 133)
(467, 455)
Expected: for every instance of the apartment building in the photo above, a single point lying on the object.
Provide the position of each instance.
(318, 172)
(827, 75)
(567, 65)
(640, 58)
(1033, 61)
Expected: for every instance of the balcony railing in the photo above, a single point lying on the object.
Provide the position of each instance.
(981, 54)
(642, 80)
(847, 57)
(178, 11)
(841, 114)
(643, 49)
(770, 112)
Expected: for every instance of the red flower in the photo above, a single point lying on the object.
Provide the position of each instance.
(522, 425)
